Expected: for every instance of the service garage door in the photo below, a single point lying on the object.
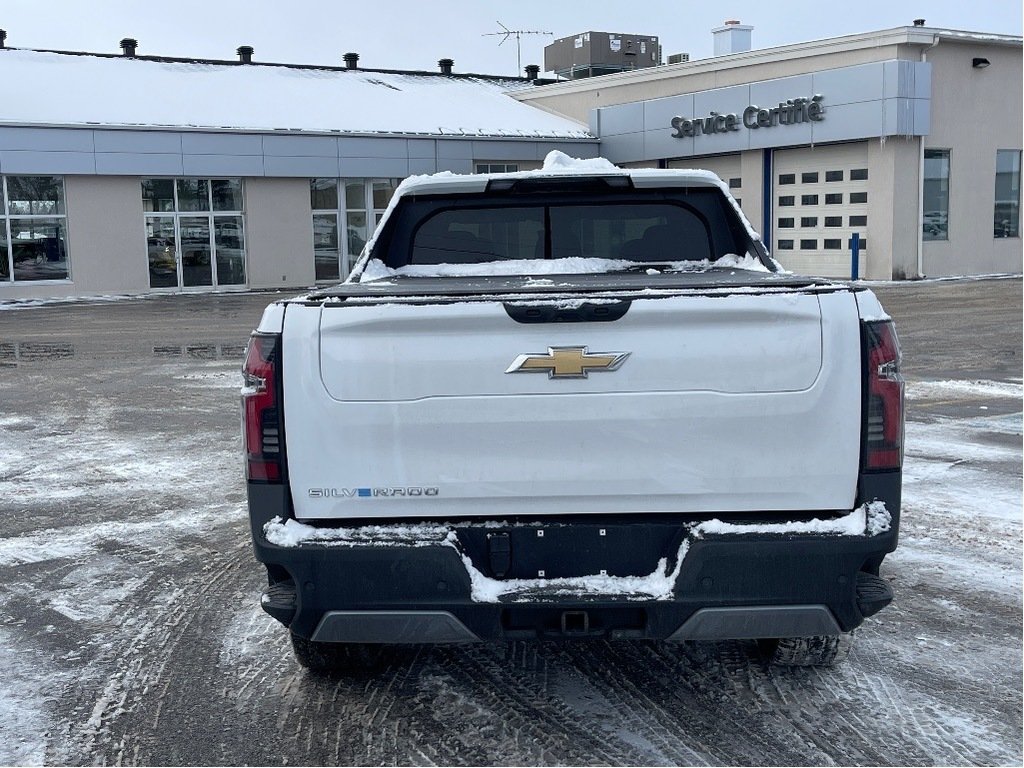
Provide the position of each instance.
(726, 167)
(821, 199)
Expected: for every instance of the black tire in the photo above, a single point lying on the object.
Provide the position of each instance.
(324, 659)
(815, 651)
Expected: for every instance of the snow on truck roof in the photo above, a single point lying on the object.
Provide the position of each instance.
(558, 164)
(78, 89)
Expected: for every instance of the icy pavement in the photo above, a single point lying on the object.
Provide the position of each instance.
(130, 631)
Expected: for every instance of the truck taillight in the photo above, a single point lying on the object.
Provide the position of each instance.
(883, 402)
(261, 409)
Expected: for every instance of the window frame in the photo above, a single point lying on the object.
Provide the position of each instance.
(373, 214)
(211, 214)
(490, 167)
(995, 195)
(940, 152)
(6, 216)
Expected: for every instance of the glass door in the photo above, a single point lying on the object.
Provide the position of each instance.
(195, 251)
(195, 232)
(161, 242)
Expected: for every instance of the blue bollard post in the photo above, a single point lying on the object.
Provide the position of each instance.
(855, 261)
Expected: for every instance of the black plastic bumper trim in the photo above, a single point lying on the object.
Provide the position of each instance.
(392, 627)
(757, 622)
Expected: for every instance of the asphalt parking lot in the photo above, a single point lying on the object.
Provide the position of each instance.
(130, 630)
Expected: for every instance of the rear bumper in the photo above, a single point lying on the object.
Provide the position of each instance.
(726, 586)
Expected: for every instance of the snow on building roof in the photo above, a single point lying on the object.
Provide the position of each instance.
(72, 89)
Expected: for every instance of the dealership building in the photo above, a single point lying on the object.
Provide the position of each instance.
(123, 174)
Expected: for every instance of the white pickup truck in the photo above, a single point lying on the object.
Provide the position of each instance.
(581, 402)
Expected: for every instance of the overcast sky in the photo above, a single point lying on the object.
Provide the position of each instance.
(414, 34)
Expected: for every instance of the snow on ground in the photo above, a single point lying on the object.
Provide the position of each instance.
(109, 298)
(115, 613)
(963, 388)
(961, 513)
(9, 304)
(962, 441)
(947, 279)
(94, 508)
(52, 461)
(23, 707)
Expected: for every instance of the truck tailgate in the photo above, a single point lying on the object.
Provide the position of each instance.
(721, 403)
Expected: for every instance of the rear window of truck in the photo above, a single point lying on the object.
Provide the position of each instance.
(641, 232)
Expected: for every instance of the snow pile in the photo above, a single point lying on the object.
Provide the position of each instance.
(732, 261)
(867, 520)
(292, 533)
(556, 161)
(657, 585)
(879, 519)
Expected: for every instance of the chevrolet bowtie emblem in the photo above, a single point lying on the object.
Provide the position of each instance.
(567, 362)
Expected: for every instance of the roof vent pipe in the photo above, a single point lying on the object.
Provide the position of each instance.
(128, 46)
(918, 22)
(245, 54)
(351, 60)
(3, 38)
(532, 71)
(446, 65)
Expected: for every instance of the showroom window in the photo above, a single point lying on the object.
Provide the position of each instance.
(33, 229)
(935, 224)
(1006, 215)
(359, 205)
(195, 232)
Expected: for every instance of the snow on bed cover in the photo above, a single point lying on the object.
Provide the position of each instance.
(376, 269)
(867, 520)
(556, 163)
(62, 89)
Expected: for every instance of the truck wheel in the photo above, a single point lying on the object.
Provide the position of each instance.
(815, 651)
(336, 658)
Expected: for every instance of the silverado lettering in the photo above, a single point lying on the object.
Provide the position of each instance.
(348, 493)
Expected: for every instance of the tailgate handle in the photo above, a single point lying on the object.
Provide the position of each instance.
(499, 546)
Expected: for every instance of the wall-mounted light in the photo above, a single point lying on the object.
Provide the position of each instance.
(980, 63)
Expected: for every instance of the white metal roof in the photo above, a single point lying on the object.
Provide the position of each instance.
(68, 89)
(923, 36)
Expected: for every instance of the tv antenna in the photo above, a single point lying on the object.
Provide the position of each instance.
(506, 33)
